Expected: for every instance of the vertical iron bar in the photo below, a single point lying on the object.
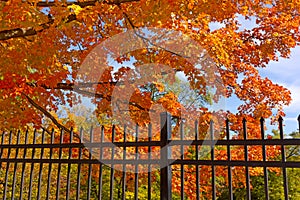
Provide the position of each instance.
(7, 166)
(124, 167)
(283, 159)
(90, 166)
(136, 175)
(1, 152)
(59, 165)
(165, 169)
(32, 165)
(41, 167)
(262, 130)
(15, 167)
(246, 159)
(101, 165)
(112, 166)
(197, 166)
(181, 166)
(23, 166)
(50, 165)
(149, 157)
(79, 165)
(228, 160)
(2, 142)
(212, 154)
(1, 149)
(69, 166)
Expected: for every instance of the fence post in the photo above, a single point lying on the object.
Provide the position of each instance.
(165, 168)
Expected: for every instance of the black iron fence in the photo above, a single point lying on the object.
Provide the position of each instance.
(49, 165)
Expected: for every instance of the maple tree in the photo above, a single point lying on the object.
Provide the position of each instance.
(37, 40)
(43, 45)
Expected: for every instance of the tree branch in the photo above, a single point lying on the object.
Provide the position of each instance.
(72, 87)
(24, 32)
(100, 96)
(47, 114)
(148, 40)
(293, 152)
(79, 3)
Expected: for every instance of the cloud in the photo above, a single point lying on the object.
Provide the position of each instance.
(294, 107)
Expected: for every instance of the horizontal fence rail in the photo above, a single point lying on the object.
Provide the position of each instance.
(110, 163)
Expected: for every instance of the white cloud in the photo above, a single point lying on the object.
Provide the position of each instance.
(294, 107)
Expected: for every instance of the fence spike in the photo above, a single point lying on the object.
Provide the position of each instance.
(262, 128)
(227, 128)
(245, 128)
(71, 134)
(244, 120)
(196, 131)
(211, 128)
(227, 120)
(81, 135)
(262, 119)
(280, 120)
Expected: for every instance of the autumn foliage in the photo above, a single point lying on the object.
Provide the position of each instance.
(43, 45)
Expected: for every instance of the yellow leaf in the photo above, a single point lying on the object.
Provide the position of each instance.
(75, 8)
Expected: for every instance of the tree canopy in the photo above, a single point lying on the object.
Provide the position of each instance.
(44, 44)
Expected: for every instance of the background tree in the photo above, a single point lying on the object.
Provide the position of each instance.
(275, 177)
